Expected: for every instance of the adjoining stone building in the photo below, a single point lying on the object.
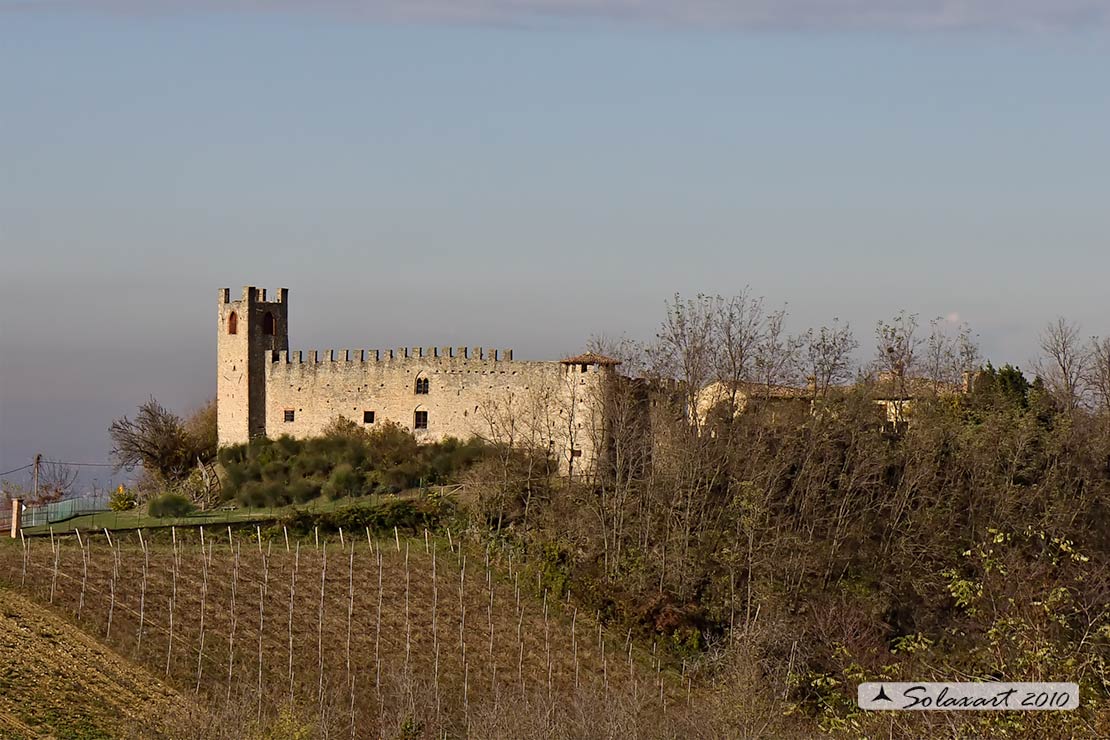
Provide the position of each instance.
(739, 395)
(893, 393)
(264, 390)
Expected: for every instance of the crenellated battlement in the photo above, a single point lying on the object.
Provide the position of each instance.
(402, 354)
(251, 294)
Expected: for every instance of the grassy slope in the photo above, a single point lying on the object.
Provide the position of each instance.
(57, 681)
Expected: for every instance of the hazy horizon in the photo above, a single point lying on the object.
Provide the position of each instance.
(526, 178)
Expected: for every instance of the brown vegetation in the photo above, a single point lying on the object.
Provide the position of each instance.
(802, 537)
(166, 446)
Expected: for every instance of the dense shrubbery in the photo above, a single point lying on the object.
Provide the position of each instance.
(346, 461)
(972, 543)
(170, 505)
(410, 516)
(801, 539)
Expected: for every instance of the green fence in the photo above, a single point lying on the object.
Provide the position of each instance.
(90, 517)
(61, 511)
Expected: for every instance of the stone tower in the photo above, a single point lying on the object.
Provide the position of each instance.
(249, 331)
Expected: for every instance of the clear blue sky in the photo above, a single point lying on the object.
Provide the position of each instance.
(526, 175)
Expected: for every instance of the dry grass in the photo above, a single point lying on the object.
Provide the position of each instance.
(57, 681)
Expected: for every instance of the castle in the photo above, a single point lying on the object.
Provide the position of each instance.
(264, 390)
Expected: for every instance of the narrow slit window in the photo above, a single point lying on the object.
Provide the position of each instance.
(289, 415)
(367, 417)
(420, 420)
(233, 323)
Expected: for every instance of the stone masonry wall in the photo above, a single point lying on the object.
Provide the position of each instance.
(469, 393)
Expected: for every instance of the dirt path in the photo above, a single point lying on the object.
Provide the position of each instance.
(56, 681)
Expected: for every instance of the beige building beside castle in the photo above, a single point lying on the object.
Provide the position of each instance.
(265, 390)
(893, 394)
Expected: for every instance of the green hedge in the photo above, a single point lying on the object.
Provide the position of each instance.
(411, 516)
(347, 461)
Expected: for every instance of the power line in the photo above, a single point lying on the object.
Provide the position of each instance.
(59, 462)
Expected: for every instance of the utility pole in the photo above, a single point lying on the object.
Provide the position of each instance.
(38, 463)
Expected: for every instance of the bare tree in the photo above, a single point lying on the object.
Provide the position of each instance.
(1063, 365)
(777, 353)
(828, 353)
(949, 358)
(55, 481)
(686, 472)
(738, 330)
(521, 428)
(897, 345)
(1098, 372)
(896, 355)
(939, 354)
(156, 439)
(46, 483)
(683, 350)
(621, 437)
(502, 421)
(969, 360)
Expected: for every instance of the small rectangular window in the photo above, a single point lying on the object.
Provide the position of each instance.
(289, 414)
(576, 453)
(420, 420)
(367, 417)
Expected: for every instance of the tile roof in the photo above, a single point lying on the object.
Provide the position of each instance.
(590, 358)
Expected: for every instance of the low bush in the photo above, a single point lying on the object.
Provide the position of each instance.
(170, 505)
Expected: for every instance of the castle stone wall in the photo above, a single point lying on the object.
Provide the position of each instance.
(538, 403)
(470, 391)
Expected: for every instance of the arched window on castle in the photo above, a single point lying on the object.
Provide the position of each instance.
(422, 386)
(269, 324)
(233, 323)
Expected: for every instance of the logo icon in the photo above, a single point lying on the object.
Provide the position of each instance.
(882, 695)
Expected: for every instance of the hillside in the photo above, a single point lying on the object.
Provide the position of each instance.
(57, 681)
(305, 638)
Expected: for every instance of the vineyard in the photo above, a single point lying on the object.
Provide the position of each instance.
(352, 636)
